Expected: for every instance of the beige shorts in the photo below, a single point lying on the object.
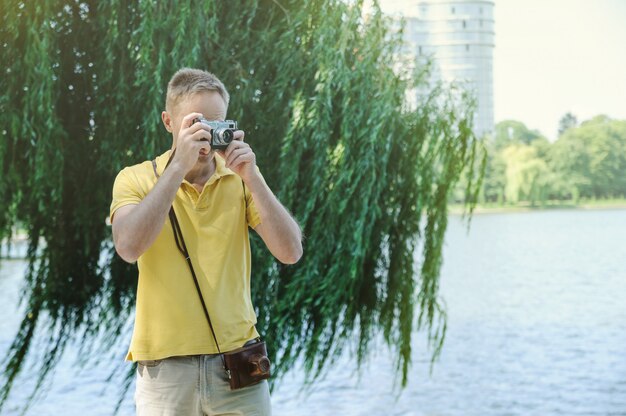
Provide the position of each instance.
(195, 386)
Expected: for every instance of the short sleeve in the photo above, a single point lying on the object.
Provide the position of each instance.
(126, 191)
(252, 214)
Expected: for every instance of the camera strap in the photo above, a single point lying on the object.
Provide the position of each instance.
(182, 247)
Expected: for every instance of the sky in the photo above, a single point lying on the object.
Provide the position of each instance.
(558, 56)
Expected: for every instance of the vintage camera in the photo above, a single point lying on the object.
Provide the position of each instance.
(248, 365)
(222, 132)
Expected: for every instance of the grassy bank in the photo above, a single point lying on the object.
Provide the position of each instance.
(490, 208)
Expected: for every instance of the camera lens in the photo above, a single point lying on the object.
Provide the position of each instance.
(264, 364)
(223, 136)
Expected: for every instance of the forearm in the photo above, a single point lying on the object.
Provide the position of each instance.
(137, 230)
(281, 233)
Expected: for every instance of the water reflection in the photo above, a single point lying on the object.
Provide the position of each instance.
(537, 325)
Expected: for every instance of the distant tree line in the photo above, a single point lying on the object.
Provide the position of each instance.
(586, 161)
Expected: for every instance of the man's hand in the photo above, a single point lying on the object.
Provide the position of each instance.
(240, 158)
(193, 140)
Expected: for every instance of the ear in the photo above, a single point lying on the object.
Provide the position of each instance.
(167, 121)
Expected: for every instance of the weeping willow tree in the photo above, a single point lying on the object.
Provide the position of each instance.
(320, 88)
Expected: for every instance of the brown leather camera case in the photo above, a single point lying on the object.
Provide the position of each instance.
(248, 365)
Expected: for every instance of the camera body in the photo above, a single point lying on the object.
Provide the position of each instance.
(222, 132)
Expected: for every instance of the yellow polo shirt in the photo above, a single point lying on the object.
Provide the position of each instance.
(169, 319)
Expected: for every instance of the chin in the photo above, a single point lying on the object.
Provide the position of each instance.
(205, 158)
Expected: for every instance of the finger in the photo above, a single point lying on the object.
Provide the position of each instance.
(235, 145)
(239, 135)
(237, 154)
(231, 148)
(201, 134)
(188, 119)
(233, 154)
(193, 128)
(241, 159)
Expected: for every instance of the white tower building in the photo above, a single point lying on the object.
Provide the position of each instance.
(459, 35)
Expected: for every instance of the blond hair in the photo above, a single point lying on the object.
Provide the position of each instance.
(188, 81)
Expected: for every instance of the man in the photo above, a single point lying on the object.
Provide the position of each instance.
(216, 195)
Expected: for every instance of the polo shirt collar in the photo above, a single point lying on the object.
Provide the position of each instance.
(220, 167)
(161, 161)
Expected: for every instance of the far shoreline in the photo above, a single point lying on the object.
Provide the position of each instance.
(457, 209)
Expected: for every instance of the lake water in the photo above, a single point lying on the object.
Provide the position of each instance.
(536, 308)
